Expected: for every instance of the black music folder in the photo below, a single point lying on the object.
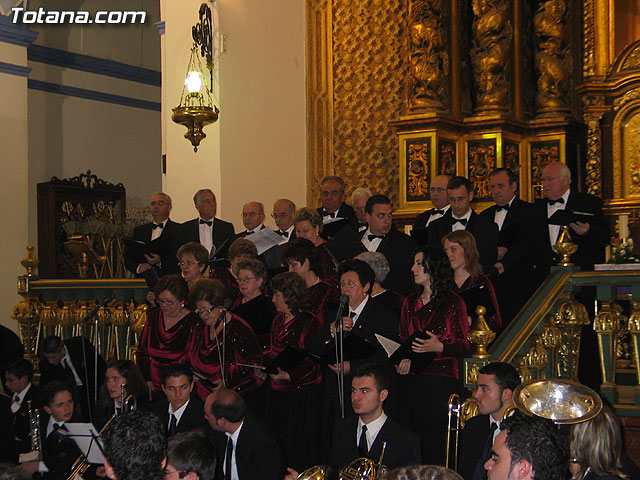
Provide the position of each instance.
(345, 245)
(565, 217)
(289, 358)
(159, 246)
(420, 235)
(353, 347)
(476, 296)
(419, 361)
(331, 229)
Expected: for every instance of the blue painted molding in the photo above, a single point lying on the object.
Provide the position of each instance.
(99, 66)
(16, 70)
(92, 95)
(16, 34)
(160, 27)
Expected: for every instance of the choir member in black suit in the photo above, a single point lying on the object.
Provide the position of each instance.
(380, 266)
(73, 361)
(442, 315)
(359, 199)
(8, 440)
(295, 396)
(460, 247)
(180, 411)
(494, 395)
(191, 456)
(167, 332)
(19, 375)
(334, 212)
(364, 318)
(11, 348)
(143, 455)
(283, 210)
(253, 305)
(214, 234)
(240, 249)
(221, 332)
(245, 447)
(121, 373)
(514, 282)
(252, 219)
(301, 257)
(59, 452)
(462, 217)
(162, 229)
(396, 246)
(309, 225)
(439, 199)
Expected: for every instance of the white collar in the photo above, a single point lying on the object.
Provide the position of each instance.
(23, 393)
(178, 413)
(234, 436)
(466, 215)
(359, 308)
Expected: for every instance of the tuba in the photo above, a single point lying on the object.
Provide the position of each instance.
(360, 469)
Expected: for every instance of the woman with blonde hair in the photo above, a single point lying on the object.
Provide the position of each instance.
(462, 251)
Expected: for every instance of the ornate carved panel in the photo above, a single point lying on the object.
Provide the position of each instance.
(542, 153)
(418, 174)
(481, 161)
(511, 156)
(447, 157)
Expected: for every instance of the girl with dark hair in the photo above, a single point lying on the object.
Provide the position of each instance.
(295, 397)
(120, 372)
(442, 315)
(462, 251)
(221, 334)
(167, 332)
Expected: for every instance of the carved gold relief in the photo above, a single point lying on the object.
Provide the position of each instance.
(631, 158)
(418, 169)
(626, 160)
(552, 59)
(511, 156)
(542, 153)
(481, 159)
(491, 54)
(428, 58)
(632, 62)
(447, 158)
(588, 38)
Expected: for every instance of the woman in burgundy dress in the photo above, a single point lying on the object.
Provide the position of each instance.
(295, 397)
(437, 311)
(462, 251)
(301, 257)
(167, 332)
(240, 249)
(223, 345)
(308, 224)
(253, 306)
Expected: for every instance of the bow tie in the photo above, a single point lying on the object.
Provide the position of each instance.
(503, 207)
(463, 221)
(207, 222)
(553, 202)
(372, 236)
(156, 225)
(283, 234)
(438, 212)
(327, 214)
(249, 232)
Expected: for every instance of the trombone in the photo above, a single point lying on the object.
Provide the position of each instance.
(453, 427)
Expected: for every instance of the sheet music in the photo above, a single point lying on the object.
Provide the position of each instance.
(264, 239)
(328, 220)
(86, 437)
(389, 345)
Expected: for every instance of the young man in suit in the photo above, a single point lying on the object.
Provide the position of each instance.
(180, 411)
(335, 213)
(514, 282)
(163, 229)
(246, 450)
(462, 217)
(72, 362)
(207, 229)
(494, 395)
(439, 199)
(18, 378)
(396, 246)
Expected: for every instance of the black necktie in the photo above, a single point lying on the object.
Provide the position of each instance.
(480, 473)
(227, 459)
(16, 398)
(503, 207)
(283, 234)
(559, 200)
(207, 222)
(463, 221)
(363, 449)
(352, 314)
(327, 214)
(436, 212)
(156, 225)
(173, 425)
(372, 236)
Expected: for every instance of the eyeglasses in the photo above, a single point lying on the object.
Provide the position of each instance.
(280, 215)
(189, 263)
(167, 472)
(348, 283)
(551, 179)
(162, 203)
(163, 301)
(249, 214)
(204, 310)
(245, 279)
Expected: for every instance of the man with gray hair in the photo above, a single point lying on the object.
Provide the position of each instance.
(283, 216)
(359, 199)
(212, 233)
(157, 240)
(335, 213)
(252, 218)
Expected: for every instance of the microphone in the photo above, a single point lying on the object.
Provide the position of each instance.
(99, 306)
(344, 299)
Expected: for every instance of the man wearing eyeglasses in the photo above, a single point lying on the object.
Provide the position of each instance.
(190, 456)
(252, 219)
(283, 215)
(157, 241)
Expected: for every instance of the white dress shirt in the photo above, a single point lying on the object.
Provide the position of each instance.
(178, 413)
(436, 216)
(554, 230)
(457, 225)
(373, 244)
(373, 428)
(206, 234)
(502, 214)
(18, 398)
(234, 467)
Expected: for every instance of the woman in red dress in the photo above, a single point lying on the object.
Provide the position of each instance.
(223, 345)
(167, 331)
(308, 224)
(437, 311)
(240, 249)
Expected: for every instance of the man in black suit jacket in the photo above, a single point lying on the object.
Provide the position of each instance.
(11, 348)
(180, 411)
(440, 201)
(65, 361)
(283, 216)
(494, 395)
(8, 449)
(364, 434)
(207, 229)
(335, 213)
(397, 247)
(22, 391)
(359, 199)
(165, 232)
(252, 219)
(462, 217)
(244, 445)
(514, 282)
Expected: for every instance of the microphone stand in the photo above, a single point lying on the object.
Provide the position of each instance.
(340, 351)
(221, 355)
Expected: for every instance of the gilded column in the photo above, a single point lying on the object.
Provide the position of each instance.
(607, 325)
